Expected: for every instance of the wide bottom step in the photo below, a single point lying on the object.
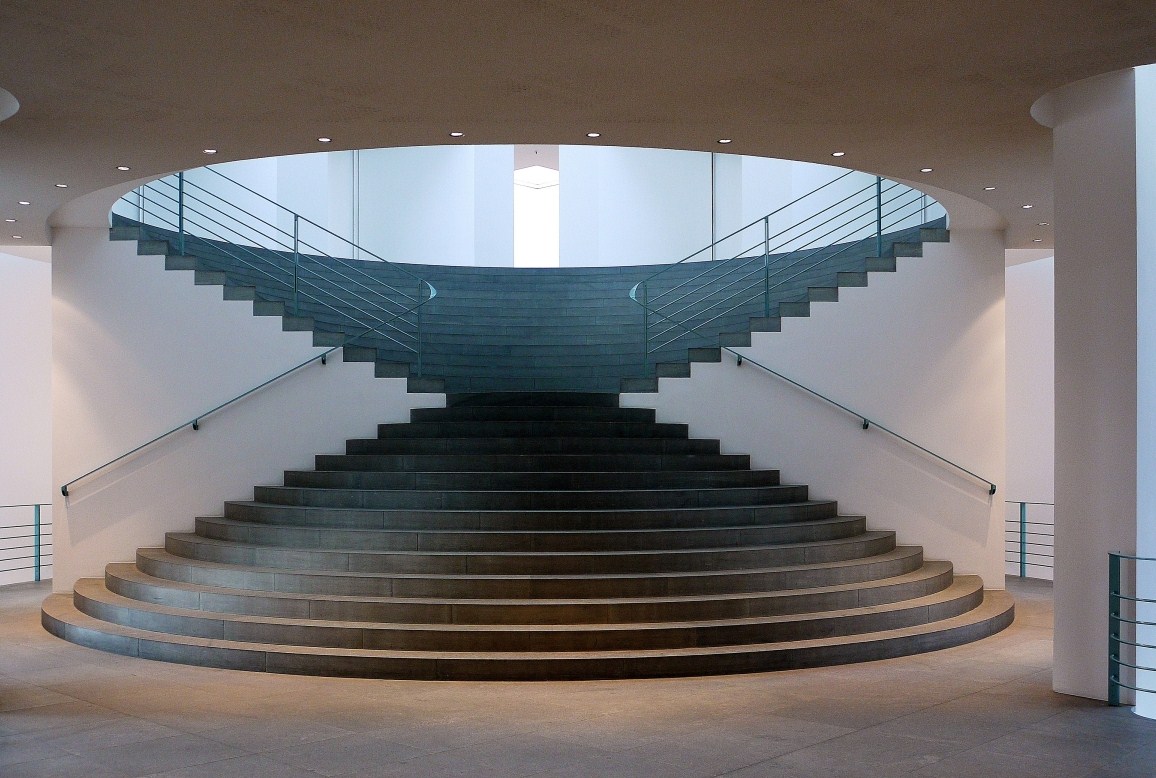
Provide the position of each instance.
(61, 618)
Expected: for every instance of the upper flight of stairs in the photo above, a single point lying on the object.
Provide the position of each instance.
(528, 536)
(507, 329)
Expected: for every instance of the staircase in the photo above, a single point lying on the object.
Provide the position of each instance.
(505, 329)
(523, 536)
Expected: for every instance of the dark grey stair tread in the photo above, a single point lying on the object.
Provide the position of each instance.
(61, 618)
(93, 598)
(531, 562)
(530, 586)
(529, 499)
(506, 480)
(589, 518)
(529, 445)
(930, 577)
(548, 539)
(519, 429)
(581, 463)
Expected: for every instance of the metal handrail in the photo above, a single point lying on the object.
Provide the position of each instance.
(1116, 619)
(866, 421)
(195, 422)
(38, 555)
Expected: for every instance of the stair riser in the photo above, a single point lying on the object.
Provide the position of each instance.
(521, 612)
(533, 429)
(539, 413)
(528, 563)
(527, 588)
(667, 446)
(385, 540)
(451, 463)
(499, 481)
(529, 500)
(530, 521)
(591, 638)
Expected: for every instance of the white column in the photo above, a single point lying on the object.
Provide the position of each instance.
(1104, 363)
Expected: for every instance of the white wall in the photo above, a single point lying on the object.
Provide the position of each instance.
(25, 401)
(626, 206)
(138, 350)
(425, 205)
(1031, 441)
(920, 351)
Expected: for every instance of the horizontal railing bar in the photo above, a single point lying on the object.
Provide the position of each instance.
(1123, 685)
(1134, 667)
(1130, 597)
(28, 567)
(1131, 557)
(26, 505)
(1025, 502)
(1132, 643)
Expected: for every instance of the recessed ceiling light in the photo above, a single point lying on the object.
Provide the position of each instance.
(456, 134)
(123, 167)
(989, 189)
(593, 135)
(324, 140)
(838, 153)
(61, 186)
(925, 170)
(724, 140)
(24, 202)
(10, 221)
(1025, 207)
(210, 151)
(18, 237)
(1044, 224)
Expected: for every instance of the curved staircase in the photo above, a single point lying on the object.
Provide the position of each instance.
(528, 536)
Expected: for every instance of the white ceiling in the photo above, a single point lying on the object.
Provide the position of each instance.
(897, 85)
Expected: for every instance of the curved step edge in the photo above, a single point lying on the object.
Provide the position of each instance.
(60, 617)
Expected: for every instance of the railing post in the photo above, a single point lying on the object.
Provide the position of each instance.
(1113, 629)
(878, 216)
(296, 261)
(35, 542)
(645, 327)
(181, 213)
(1023, 540)
(767, 266)
(420, 305)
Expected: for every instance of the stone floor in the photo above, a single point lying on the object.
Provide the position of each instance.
(986, 710)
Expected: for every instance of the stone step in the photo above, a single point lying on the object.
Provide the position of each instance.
(537, 563)
(531, 429)
(127, 580)
(61, 618)
(540, 445)
(530, 480)
(92, 598)
(313, 537)
(532, 413)
(441, 499)
(532, 520)
(162, 564)
(523, 463)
